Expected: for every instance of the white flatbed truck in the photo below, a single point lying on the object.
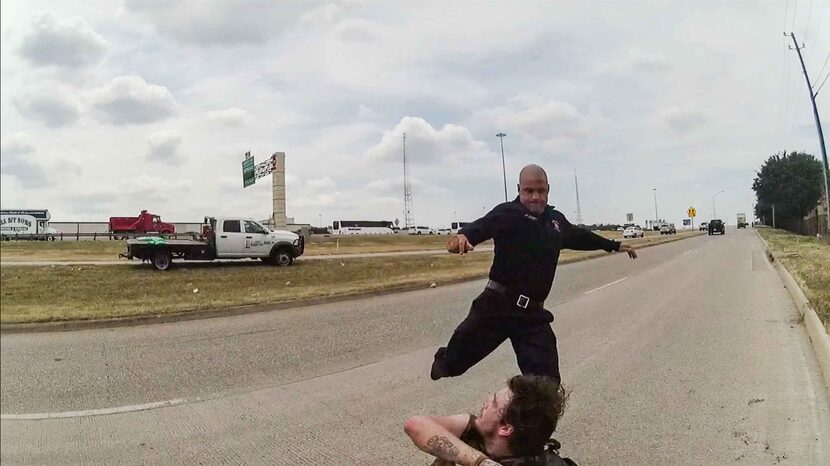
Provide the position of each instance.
(222, 238)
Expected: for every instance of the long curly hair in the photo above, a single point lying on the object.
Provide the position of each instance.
(534, 410)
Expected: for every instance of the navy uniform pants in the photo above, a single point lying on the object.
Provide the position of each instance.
(494, 318)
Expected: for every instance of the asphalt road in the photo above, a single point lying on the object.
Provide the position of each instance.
(691, 354)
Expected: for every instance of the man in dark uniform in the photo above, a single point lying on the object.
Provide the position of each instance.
(528, 236)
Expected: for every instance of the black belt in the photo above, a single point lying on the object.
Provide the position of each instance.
(523, 301)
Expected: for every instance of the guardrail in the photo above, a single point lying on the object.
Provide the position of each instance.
(94, 236)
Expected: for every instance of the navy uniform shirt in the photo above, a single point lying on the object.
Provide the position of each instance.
(527, 246)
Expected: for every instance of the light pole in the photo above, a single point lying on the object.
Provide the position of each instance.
(656, 217)
(714, 212)
(503, 169)
(321, 220)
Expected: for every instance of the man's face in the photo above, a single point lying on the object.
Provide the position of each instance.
(492, 412)
(533, 193)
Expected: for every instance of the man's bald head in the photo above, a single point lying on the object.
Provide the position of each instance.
(532, 171)
(533, 188)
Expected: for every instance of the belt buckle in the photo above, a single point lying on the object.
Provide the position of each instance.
(523, 301)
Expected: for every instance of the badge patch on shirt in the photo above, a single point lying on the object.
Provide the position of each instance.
(531, 217)
(556, 225)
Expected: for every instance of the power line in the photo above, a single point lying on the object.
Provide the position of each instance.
(821, 15)
(822, 66)
(795, 9)
(818, 28)
(815, 94)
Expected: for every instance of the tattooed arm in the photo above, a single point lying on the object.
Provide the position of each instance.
(439, 436)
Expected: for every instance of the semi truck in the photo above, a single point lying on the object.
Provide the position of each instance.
(221, 238)
(741, 220)
(143, 224)
(26, 224)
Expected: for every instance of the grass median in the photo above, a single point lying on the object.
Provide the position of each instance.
(106, 250)
(61, 293)
(319, 245)
(808, 259)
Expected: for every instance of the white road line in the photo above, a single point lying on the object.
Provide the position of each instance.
(687, 252)
(607, 285)
(92, 412)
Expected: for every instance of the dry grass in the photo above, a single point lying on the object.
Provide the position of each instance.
(60, 250)
(808, 259)
(56, 293)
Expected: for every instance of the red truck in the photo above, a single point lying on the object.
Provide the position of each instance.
(144, 223)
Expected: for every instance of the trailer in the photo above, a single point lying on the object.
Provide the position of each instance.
(742, 220)
(222, 238)
(26, 224)
(143, 224)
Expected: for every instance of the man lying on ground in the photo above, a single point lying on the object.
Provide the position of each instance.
(512, 428)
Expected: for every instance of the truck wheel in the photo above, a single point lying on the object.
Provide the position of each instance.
(282, 258)
(162, 260)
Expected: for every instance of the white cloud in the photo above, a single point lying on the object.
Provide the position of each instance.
(227, 117)
(131, 100)
(164, 147)
(551, 125)
(427, 145)
(635, 60)
(51, 104)
(318, 201)
(17, 161)
(682, 120)
(16, 144)
(324, 183)
(68, 43)
(220, 22)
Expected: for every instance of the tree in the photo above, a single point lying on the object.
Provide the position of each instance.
(792, 182)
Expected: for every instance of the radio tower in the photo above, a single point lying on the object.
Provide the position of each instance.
(578, 207)
(409, 221)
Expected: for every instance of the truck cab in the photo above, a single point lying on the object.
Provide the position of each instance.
(239, 238)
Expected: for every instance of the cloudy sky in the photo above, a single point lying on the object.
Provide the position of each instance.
(110, 107)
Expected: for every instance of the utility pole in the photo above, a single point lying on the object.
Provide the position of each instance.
(656, 218)
(503, 170)
(773, 216)
(409, 220)
(820, 132)
(578, 206)
(714, 212)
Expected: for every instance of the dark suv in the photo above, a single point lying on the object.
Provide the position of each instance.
(717, 226)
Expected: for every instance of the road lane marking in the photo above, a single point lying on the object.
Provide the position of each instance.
(687, 252)
(607, 285)
(93, 412)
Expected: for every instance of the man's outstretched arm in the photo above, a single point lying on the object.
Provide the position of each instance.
(586, 240)
(432, 436)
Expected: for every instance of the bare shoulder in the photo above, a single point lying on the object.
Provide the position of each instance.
(456, 424)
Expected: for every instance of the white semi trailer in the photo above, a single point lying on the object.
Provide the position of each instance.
(26, 224)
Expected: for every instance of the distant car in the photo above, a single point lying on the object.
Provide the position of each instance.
(620, 229)
(717, 226)
(421, 231)
(668, 229)
(633, 232)
(704, 226)
(444, 231)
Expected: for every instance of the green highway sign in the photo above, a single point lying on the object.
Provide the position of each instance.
(248, 171)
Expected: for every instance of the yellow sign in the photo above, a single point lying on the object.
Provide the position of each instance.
(692, 212)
